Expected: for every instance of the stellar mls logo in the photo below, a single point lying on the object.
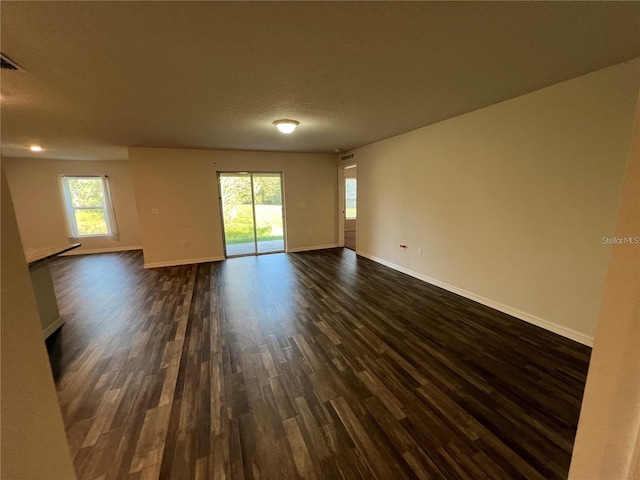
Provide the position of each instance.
(620, 240)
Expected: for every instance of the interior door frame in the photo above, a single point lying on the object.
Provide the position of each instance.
(251, 173)
(342, 201)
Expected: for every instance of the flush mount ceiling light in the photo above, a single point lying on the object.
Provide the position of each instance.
(35, 148)
(286, 126)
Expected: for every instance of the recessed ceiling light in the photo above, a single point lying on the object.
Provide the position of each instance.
(286, 126)
(35, 148)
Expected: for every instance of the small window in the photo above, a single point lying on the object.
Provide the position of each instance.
(350, 198)
(88, 206)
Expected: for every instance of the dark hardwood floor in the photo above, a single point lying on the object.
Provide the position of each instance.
(309, 365)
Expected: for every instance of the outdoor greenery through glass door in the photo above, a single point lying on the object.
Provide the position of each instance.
(252, 212)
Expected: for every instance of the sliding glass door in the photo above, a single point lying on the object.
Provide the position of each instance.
(252, 213)
(267, 204)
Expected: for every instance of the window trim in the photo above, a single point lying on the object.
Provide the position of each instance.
(69, 209)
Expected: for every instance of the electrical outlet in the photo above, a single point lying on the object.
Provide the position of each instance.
(419, 251)
(185, 243)
(155, 211)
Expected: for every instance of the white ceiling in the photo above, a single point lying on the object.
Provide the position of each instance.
(101, 76)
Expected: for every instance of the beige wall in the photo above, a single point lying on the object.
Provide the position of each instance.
(39, 208)
(509, 203)
(183, 185)
(33, 442)
(608, 440)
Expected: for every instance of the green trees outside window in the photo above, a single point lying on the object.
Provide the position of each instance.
(88, 206)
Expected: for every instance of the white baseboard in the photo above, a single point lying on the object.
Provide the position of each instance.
(314, 247)
(186, 261)
(101, 250)
(52, 328)
(514, 312)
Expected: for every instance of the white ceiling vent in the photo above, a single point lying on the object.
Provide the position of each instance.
(7, 64)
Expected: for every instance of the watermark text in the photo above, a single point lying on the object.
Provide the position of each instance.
(620, 240)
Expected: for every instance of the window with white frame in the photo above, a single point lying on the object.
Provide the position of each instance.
(350, 198)
(88, 206)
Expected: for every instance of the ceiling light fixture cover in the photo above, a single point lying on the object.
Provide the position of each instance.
(35, 148)
(286, 126)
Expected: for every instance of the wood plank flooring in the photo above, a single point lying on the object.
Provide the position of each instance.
(350, 239)
(318, 365)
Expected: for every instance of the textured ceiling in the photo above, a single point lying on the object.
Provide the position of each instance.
(101, 76)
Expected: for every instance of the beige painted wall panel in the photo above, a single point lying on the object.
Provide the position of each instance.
(509, 202)
(608, 439)
(33, 441)
(39, 207)
(183, 185)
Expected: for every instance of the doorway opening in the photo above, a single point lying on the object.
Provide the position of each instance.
(252, 212)
(350, 206)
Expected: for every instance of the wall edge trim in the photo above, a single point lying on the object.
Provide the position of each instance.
(102, 250)
(313, 247)
(561, 330)
(185, 261)
(53, 327)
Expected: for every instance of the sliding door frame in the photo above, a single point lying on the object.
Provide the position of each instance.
(251, 173)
